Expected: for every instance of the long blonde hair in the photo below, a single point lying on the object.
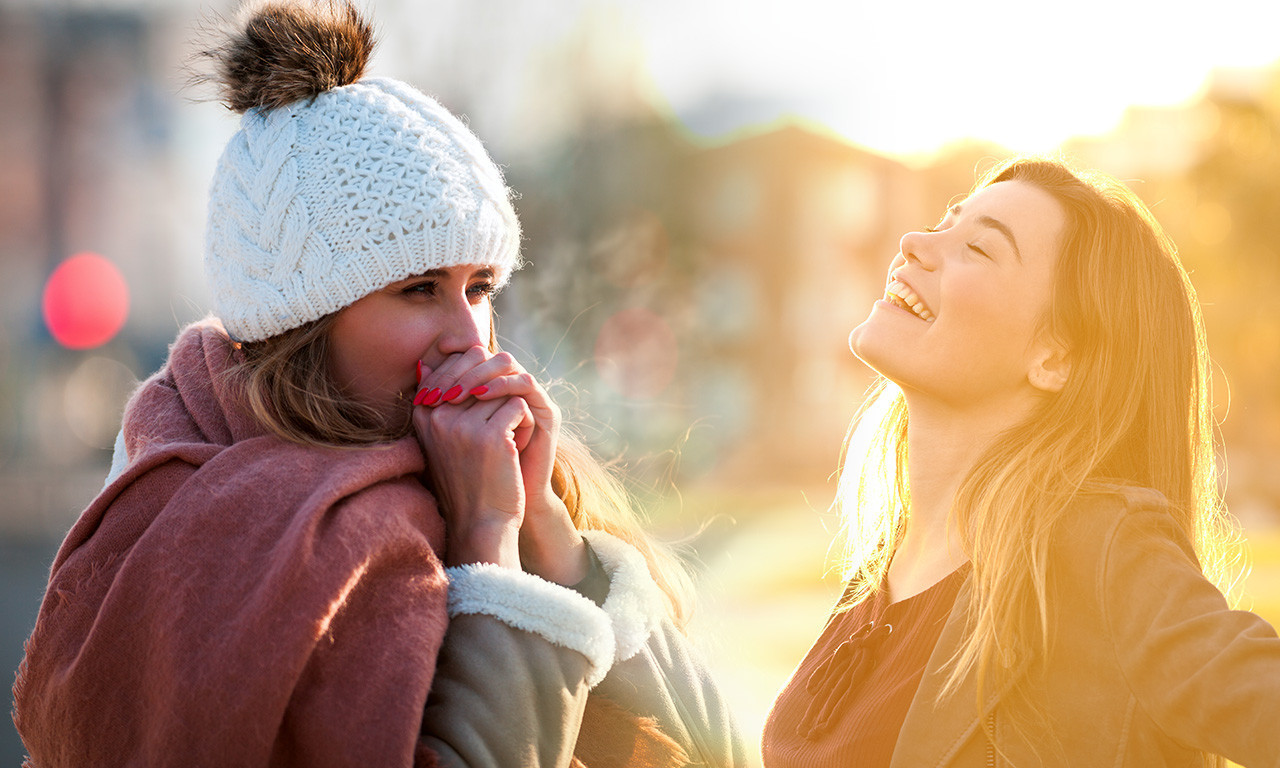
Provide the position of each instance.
(291, 391)
(1136, 410)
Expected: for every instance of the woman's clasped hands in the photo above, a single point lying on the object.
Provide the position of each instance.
(489, 431)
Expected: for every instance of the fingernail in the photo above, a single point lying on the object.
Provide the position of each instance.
(453, 392)
(419, 398)
(479, 390)
(431, 397)
(419, 371)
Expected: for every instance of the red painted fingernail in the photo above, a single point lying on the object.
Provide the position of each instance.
(431, 397)
(419, 371)
(480, 390)
(453, 392)
(420, 397)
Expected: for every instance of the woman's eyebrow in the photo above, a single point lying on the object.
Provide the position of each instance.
(434, 274)
(997, 225)
(1003, 229)
(440, 273)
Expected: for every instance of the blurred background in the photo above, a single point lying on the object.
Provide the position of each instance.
(711, 191)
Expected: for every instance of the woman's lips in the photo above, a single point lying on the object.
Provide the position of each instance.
(900, 294)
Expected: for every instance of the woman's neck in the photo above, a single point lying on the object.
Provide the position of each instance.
(943, 445)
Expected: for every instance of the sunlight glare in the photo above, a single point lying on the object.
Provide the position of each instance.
(909, 78)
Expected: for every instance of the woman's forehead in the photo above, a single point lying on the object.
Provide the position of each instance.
(1025, 212)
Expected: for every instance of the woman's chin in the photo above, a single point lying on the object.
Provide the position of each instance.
(869, 340)
(856, 336)
(876, 349)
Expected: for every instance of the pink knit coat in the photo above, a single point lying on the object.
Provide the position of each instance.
(234, 599)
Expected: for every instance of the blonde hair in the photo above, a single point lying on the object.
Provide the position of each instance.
(291, 391)
(1135, 410)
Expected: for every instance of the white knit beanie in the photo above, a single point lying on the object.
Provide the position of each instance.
(326, 193)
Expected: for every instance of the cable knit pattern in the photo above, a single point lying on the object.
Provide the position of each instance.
(321, 202)
(635, 605)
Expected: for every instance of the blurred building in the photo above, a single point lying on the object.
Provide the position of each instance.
(703, 296)
(96, 156)
(794, 232)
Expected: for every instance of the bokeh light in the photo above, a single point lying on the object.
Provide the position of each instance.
(636, 353)
(94, 400)
(85, 302)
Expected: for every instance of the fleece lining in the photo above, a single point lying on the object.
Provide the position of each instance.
(524, 601)
(635, 606)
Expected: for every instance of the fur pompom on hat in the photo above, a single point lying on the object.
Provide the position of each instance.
(336, 186)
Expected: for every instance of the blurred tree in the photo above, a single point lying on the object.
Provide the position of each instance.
(1225, 216)
(605, 231)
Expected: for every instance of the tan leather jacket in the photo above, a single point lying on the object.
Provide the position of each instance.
(1147, 665)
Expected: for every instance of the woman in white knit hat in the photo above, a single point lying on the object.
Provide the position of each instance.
(349, 531)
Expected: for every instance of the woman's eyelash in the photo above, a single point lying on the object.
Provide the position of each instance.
(975, 248)
(427, 286)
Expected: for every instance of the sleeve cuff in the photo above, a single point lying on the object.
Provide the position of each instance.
(635, 605)
(595, 585)
(524, 601)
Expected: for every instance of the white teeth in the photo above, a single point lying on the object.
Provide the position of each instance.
(908, 298)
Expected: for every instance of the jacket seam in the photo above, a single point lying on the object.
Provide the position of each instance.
(961, 739)
(1124, 731)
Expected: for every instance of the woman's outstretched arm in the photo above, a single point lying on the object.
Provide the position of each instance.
(1209, 676)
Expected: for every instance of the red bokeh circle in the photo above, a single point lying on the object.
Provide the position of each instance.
(85, 302)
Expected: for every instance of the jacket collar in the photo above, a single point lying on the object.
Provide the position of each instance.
(934, 731)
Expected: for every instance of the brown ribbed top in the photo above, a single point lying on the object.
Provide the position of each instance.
(846, 702)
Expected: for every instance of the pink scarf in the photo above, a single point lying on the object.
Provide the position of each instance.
(234, 599)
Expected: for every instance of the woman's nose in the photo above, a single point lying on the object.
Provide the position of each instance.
(918, 247)
(465, 326)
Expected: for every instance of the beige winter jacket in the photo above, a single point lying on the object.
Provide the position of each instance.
(523, 662)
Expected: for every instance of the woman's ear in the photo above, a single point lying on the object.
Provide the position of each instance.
(1050, 368)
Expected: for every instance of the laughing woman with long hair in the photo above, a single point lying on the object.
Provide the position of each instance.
(1032, 528)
